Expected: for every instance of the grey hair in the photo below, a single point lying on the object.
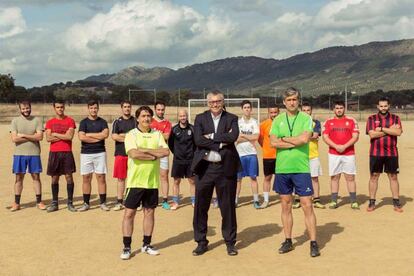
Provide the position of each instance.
(291, 91)
(215, 93)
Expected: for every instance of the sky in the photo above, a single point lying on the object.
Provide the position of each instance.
(48, 41)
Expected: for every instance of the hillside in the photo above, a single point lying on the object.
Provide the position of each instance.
(376, 65)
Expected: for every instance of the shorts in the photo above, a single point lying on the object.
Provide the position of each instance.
(387, 164)
(164, 163)
(315, 167)
(250, 166)
(135, 197)
(29, 163)
(61, 162)
(181, 170)
(301, 183)
(120, 167)
(341, 164)
(93, 163)
(269, 166)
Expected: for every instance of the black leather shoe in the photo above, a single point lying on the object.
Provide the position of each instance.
(200, 250)
(231, 250)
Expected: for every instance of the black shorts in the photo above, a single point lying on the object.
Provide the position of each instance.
(379, 164)
(135, 197)
(181, 170)
(61, 162)
(269, 166)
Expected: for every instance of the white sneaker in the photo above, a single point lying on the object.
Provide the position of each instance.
(126, 254)
(118, 207)
(104, 207)
(84, 207)
(150, 250)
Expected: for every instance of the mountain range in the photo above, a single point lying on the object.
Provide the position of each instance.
(368, 67)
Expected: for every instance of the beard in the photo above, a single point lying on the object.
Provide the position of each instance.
(24, 114)
(384, 112)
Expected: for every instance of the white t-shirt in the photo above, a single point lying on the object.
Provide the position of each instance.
(247, 127)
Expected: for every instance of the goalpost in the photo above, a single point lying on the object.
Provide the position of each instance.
(196, 106)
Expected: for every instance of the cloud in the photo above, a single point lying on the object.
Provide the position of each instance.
(11, 22)
(146, 31)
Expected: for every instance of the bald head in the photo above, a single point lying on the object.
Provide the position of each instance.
(182, 117)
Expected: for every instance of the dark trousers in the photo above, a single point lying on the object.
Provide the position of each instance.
(226, 193)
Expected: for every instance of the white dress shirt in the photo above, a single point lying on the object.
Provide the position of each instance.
(214, 156)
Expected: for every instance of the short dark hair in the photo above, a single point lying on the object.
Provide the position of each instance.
(93, 102)
(159, 102)
(57, 101)
(307, 104)
(125, 102)
(25, 102)
(384, 99)
(339, 102)
(143, 108)
(246, 102)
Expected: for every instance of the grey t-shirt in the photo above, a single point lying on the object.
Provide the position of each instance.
(29, 125)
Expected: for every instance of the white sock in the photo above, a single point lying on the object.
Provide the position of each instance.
(266, 196)
(255, 197)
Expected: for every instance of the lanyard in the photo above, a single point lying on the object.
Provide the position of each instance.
(293, 123)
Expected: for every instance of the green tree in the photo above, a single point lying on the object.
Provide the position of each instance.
(7, 87)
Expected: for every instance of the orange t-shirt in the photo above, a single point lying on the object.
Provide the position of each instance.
(264, 140)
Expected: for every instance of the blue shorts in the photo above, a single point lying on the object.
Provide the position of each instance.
(301, 183)
(250, 166)
(29, 163)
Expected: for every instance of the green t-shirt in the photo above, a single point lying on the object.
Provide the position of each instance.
(294, 160)
(143, 173)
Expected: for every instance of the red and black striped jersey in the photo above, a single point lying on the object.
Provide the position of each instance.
(386, 145)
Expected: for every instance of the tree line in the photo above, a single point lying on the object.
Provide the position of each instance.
(83, 91)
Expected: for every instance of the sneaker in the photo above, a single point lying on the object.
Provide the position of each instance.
(333, 205)
(71, 207)
(264, 204)
(286, 247)
(371, 207)
(104, 207)
(15, 207)
(139, 208)
(41, 206)
(398, 208)
(174, 206)
(193, 204)
(118, 207)
(296, 205)
(319, 205)
(52, 207)
(84, 207)
(165, 205)
(314, 250)
(355, 205)
(256, 205)
(150, 250)
(126, 254)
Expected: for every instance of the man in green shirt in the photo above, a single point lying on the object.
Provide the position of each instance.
(290, 134)
(144, 147)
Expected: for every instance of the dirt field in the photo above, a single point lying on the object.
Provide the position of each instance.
(34, 242)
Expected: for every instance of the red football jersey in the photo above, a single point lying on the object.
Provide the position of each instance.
(163, 126)
(60, 126)
(340, 131)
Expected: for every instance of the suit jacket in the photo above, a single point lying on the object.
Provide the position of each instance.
(227, 133)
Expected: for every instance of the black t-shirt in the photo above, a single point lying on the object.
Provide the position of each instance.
(181, 143)
(93, 126)
(120, 126)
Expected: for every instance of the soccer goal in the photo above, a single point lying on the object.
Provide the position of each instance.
(196, 106)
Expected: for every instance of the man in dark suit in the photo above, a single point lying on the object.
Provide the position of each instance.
(216, 163)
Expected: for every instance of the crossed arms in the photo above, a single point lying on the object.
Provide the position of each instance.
(22, 138)
(290, 142)
(148, 154)
(93, 137)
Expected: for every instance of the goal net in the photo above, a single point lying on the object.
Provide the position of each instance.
(196, 106)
